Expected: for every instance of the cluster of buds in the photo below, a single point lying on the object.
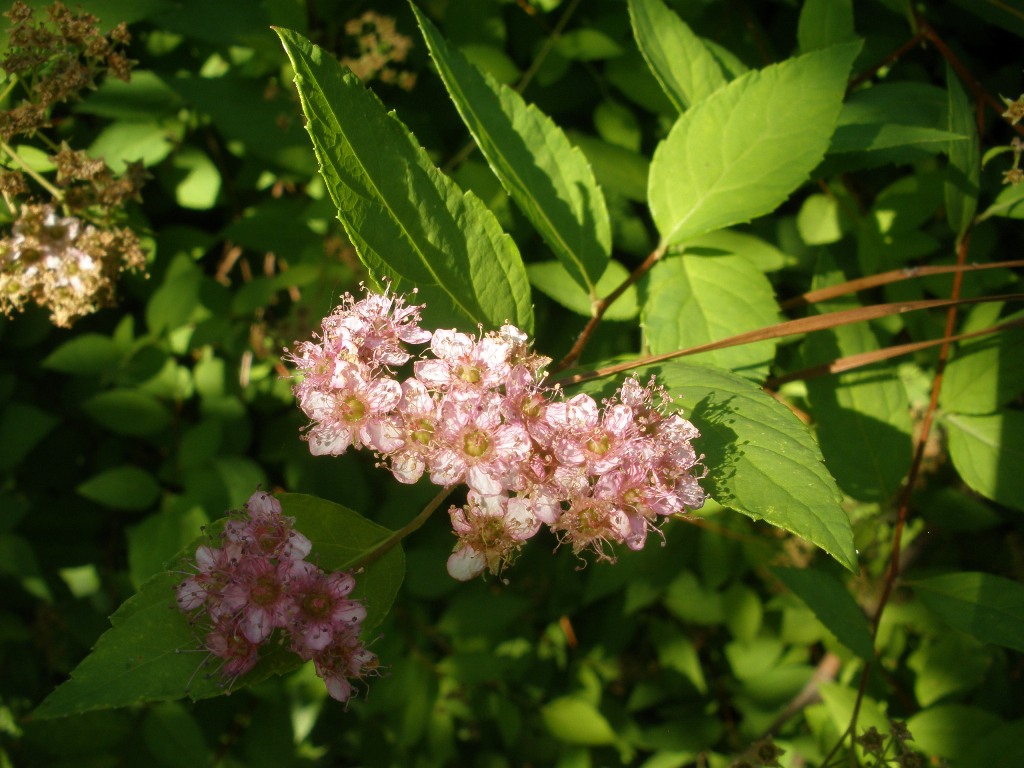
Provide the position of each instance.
(54, 59)
(380, 47)
(258, 581)
(890, 749)
(477, 412)
(66, 246)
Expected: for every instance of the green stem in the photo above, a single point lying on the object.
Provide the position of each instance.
(10, 87)
(43, 182)
(417, 522)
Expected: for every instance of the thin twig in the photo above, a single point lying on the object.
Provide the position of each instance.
(601, 306)
(413, 525)
(977, 88)
(887, 278)
(851, 362)
(789, 328)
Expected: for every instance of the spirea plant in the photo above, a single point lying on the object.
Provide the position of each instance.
(66, 244)
(614, 379)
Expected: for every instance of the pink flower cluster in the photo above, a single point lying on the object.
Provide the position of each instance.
(476, 411)
(258, 581)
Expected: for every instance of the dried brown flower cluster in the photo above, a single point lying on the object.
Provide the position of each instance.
(54, 60)
(379, 47)
(62, 263)
(65, 248)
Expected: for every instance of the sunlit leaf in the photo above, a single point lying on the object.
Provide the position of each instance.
(964, 169)
(693, 300)
(723, 164)
(684, 67)
(409, 222)
(549, 179)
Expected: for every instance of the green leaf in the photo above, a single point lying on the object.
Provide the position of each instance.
(988, 452)
(948, 664)
(833, 605)
(1009, 203)
(840, 703)
(863, 417)
(22, 427)
(128, 412)
(953, 731)
(121, 143)
(964, 170)
(762, 461)
(259, 127)
(576, 721)
(893, 115)
(145, 655)
(758, 252)
(988, 608)
(409, 223)
(159, 537)
(551, 279)
(824, 23)
(194, 177)
(617, 169)
(686, 297)
(87, 354)
(986, 372)
(818, 221)
(171, 731)
(681, 63)
(547, 177)
(126, 487)
(145, 97)
(586, 44)
(723, 163)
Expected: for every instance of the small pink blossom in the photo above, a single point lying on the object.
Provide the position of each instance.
(416, 425)
(265, 531)
(594, 524)
(259, 597)
(352, 412)
(597, 441)
(226, 641)
(319, 608)
(379, 326)
(475, 447)
(259, 582)
(343, 661)
(490, 529)
(464, 367)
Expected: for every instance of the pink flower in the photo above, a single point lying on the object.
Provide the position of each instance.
(464, 367)
(491, 529)
(378, 324)
(597, 442)
(594, 524)
(344, 660)
(227, 642)
(263, 530)
(416, 424)
(527, 404)
(258, 596)
(353, 411)
(476, 448)
(319, 607)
